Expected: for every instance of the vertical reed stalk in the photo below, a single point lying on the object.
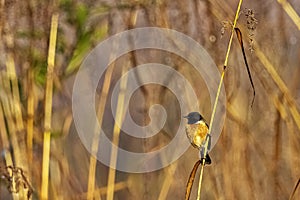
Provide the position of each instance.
(7, 107)
(13, 107)
(48, 107)
(11, 73)
(116, 134)
(30, 116)
(3, 134)
(118, 122)
(100, 112)
(218, 93)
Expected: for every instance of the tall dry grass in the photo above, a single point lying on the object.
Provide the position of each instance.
(256, 156)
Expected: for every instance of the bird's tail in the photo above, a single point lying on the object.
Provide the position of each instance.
(207, 160)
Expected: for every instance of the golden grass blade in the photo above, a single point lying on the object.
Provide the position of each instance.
(91, 178)
(118, 186)
(280, 83)
(7, 107)
(13, 106)
(54, 167)
(3, 136)
(295, 189)
(103, 190)
(48, 107)
(200, 179)
(190, 182)
(116, 134)
(291, 12)
(218, 93)
(100, 112)
(167, 182)
(11, 73)
(18, 145)
(12, 76)
(118, 121)
(6, 100)
(30, 114)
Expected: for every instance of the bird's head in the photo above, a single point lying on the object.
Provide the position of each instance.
(193, 117)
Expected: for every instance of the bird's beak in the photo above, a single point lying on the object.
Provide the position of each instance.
(185, 116)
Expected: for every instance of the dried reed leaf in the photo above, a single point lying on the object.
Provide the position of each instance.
(190, 182)
(240, 39)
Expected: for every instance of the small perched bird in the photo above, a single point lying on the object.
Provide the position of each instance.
(197, 132)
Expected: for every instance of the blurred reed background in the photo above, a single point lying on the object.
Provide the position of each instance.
(257, 154)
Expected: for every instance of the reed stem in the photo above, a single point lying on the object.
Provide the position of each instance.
(48, 107)
(218, 93)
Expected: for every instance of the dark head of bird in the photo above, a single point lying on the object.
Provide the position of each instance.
(193, 117)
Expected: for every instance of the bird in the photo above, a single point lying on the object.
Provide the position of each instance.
(197, 131)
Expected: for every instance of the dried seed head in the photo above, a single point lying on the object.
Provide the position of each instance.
(251, 23)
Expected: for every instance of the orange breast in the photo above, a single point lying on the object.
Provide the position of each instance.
(197, 133)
